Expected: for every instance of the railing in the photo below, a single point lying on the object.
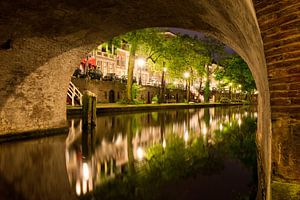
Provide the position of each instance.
(73, 93)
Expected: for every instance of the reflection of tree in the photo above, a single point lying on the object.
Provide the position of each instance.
(241, 141)
(130, 154)
(206, 116)
(178, 159)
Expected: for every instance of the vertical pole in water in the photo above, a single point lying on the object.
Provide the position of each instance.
(94, 111)
(89, 109)
(85, 111)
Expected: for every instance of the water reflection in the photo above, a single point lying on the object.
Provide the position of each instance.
(132, 156)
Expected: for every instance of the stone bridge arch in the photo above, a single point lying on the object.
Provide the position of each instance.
(42, 42)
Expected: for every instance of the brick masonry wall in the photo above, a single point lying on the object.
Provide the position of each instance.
(34, 79)
(102, 89)
(279, 23)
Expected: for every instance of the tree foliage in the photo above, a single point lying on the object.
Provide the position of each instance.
(182, 53)
(235, 69)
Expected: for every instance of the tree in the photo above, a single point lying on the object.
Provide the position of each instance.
(214, 50)
(179, 54)
(236, 70)
(145, 41)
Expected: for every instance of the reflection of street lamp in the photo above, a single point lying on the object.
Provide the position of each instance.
(85, 171)
(140, 153)
(140, 63)
(187, 86)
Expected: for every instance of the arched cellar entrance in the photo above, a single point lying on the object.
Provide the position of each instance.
(111, 96)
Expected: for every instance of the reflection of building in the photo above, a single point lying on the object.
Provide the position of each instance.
(93, 160)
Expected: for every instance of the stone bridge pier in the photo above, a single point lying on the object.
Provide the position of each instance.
(41, 43)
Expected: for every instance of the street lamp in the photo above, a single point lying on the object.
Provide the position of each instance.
(186, 75)
(187, 86)
(140, 63)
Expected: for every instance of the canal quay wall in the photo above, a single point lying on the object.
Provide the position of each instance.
(118, 108)
(115, 91)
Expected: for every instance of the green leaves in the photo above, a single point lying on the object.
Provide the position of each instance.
(236, 70)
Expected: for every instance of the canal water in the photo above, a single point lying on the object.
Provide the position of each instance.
(205, 153)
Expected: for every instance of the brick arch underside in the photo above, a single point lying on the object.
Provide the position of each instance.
(49, 37)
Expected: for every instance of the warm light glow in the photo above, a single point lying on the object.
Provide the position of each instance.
(118, 140)
(186, 136)
(78, 188)
(164, 144)
(165, 69)
(85, 171)
(221, 127)
(239, 121)
(140, 62)
(186, 75)
(204, 130)
(140, 153)
(84, 187)
(91, 185)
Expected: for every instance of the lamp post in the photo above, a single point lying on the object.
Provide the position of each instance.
(140, 63)
(187, 86)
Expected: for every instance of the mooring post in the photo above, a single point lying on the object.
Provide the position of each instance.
(89, 103)
(94, 111)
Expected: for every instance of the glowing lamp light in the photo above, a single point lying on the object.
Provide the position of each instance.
(78, 188)
(165, 69)
(140, 153)
(186, 75)
(239, 121)
(255, 114)
(164, 144)
(204, 130)
(221, 127)
(85, 171)
(140, 62)
(186, 136)
(119, 140)
(84, 187)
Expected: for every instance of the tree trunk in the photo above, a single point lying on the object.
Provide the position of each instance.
(130, 70)
(207, 85)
